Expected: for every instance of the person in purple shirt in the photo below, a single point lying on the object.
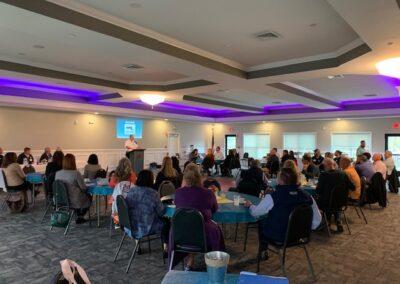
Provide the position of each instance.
(365, 168)
(193, 195)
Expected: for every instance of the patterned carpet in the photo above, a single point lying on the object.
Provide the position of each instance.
(30, 252)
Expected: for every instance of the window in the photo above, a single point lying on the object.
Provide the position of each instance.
(299, 142)
(257, 145)
(349, 142)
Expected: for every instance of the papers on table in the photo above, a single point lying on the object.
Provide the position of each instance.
(223, 200)
(249, 277)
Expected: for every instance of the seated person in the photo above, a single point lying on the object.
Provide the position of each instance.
(273, 162)
(26, 157)
(280, 204)
(123, 174)
(79, 199)
(46, 156)
(310, 171)
(218, 155)
(285, 156)
(175, 164)
(92, 167)
(193, 156)
(167, 172)
(208, 161)
(15, 178)
(146, 210)
(379, 165)
(350, 171)
(193, 195)
(1, 156)
(231, 162)
(292, 157)
(364, 167)
(338, 155)
(51, 169)
(389, 162)
(330, 179)
(212, 184)
(253, 174)
(317, 159)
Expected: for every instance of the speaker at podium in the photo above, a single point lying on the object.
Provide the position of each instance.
(137, 159)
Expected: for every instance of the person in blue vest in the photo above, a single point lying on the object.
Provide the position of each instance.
(280, 204)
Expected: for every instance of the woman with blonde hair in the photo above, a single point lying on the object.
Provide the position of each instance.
(167, 172)
(291, 165)
(193, 195)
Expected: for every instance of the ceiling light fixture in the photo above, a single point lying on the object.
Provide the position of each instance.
(96, 112)
(339, 76)
(338, 119)
(389, 67)
(21, 54)
(152, 99)
(135, 5)
(38, 46)
(132, 67)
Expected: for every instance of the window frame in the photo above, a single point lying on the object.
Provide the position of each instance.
(252, 133)
(297, 133)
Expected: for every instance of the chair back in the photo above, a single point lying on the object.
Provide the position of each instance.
(3, 181)
(166, 188)
(338, 198)
(48, 184)
(299, 226)
(167, 199)
(188, 232)
(60, 195)
(123, 213)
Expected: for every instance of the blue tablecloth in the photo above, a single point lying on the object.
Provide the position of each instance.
(100, 190)
(182, 277)
(179, 277)
(228, 213)
(34, 178)
(310, 189)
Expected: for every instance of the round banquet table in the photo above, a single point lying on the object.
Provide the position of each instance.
(228, 213)
(310, 189)
(36, 179)
(97, 191)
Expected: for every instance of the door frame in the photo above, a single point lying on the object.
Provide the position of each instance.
(387, 135)
(226, 142)
(179, 143)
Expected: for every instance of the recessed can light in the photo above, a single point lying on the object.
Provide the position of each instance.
(135, 5)
(96, 112)
(38, 46)
(21, 54)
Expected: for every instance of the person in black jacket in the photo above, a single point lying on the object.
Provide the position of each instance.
(253, 175)
(46, 156)
(285, 156)
(330, 179)
(273, 162)
(309, 169)
(51, 169)
(1, 157)
(25, 157)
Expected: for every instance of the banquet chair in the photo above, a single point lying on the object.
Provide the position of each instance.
(297, 235)
(126, 227)
(188, 233)
(49, 201)
(337, 205)
(358, 204)
(166, 188)
(9, 192)
(61, 203)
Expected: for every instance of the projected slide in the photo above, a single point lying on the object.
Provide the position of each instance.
(126, 127)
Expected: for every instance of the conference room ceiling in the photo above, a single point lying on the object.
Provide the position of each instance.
(214, 59)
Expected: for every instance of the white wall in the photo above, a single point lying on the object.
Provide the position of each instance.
(323, 129)
(85, 133)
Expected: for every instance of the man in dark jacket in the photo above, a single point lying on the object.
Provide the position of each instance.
(273, 162)
(329, 180)
(25, 157)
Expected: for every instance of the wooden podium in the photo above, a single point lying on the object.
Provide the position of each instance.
(137, 159)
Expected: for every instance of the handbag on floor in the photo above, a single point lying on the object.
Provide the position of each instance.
(59, 219)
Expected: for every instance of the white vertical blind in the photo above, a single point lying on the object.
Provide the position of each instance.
(303, 142)
(257, 145)
(348, 142)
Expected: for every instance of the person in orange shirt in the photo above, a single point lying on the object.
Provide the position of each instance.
(346, 166)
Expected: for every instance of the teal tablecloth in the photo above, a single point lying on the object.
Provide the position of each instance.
(183, 277)
(228, 213)
(180, 277)
(310, 189)
(100, 190)
(34, 178)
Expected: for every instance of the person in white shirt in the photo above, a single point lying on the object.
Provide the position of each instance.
(219, 158)
(130, 145)
(389, 162)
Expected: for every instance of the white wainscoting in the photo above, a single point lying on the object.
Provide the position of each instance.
(107, 157)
